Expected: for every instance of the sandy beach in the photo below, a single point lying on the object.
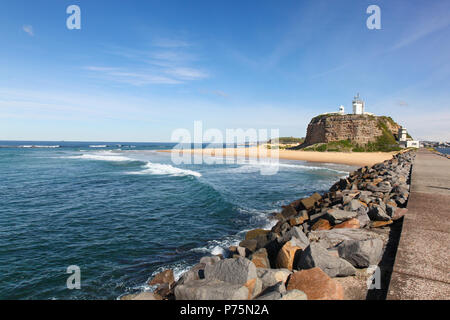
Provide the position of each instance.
(350, 158)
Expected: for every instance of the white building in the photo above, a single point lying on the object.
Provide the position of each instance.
(404, 141)
(358, 105)
(341, 110)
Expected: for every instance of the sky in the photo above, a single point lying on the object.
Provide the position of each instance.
(138, 70)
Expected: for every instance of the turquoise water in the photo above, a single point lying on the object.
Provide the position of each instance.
(443, 150)
(123, 215)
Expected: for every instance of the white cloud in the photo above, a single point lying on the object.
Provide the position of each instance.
(28, 29)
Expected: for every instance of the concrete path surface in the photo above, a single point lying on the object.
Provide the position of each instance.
(422, 264)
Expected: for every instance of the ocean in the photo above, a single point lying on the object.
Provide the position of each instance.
(122, 212)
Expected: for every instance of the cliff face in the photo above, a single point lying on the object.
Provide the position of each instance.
(359, 129)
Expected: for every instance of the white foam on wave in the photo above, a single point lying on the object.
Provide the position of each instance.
(165, 169)
(101, 157)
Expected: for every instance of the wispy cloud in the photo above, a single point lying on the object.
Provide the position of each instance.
(165, 61)
(28, 29)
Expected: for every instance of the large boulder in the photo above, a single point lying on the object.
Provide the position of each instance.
(236, 271)
(321, 224)
(295, 232)
(165, 276)
(337, 216)
(210, 259)
(260, 258)
(254, 234)
(331, 238)
(211, 289)
(378, 213)
(195, 273)
(251, 245)
(271, 277)
(317, 256)
(354, 205)
(352, 223)
(289, 252)
(361, 254)
(316, 284)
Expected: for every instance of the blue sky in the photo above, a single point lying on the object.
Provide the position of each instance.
(137, 70)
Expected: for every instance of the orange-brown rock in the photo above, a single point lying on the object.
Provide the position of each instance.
(295, 221)
(399, 213)
(321, 224)
(351, 224)
(253, 234)
(378, 224)
(260, 258)
(165, 276)
(286, 255)
(316, 284)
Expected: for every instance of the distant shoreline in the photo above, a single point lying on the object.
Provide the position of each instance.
(350, 158)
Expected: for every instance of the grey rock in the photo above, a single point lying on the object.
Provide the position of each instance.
(363, 218)
(272, 295)
(210, 289)
(294, 294)
(377, 213)
(331, 238)
(251, 245)
(354, 205)
(390, 210)
(209, 259)
(337, 216)
(271, 277)
(235, 271)
(317, 256)
(296, 232)
(195, 273)
(361, 254)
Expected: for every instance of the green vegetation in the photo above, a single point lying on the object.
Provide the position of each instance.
(334, 146)
(288, 140)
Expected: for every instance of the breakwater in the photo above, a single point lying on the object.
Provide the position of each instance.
(326, 246)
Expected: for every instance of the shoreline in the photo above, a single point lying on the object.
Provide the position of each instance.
(359, 159)
(366, 207)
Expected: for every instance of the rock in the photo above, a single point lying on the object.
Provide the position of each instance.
(163, 291)
(317, 256)
(197, 272)
(377, 213)
(210, 259)
(288, 211)
(379, 224)
(390, 209)
(288, 253)
(251, 245)
(294, 294)
(254, 287)
(273, 292)
(352, 223)
(141, 296)
(337, 216)
(165, 276)
(317, 197)
(363, 219)
(260, 258)
(316, 284)
(354, 205)
(321, 224)
(296, 232)
(254, 234)
(331, 238)
(308, 203)
(235, 271)
(271, 277)
(211, 289)
(240, 251)
(361, 254)
(298, 220)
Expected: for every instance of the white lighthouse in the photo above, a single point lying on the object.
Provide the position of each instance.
(358, 105)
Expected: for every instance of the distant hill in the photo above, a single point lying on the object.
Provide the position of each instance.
(350, 132)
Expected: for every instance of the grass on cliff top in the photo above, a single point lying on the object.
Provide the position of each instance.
(288, 140)
(382, 144)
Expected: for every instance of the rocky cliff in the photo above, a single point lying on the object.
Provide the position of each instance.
(358, 129)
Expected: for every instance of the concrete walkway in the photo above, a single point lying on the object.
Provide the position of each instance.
(422, 264)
